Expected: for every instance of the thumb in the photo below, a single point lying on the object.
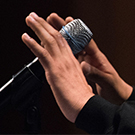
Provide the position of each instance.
(94, 74)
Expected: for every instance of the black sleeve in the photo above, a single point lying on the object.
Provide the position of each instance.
(99, 116)
(132, 97)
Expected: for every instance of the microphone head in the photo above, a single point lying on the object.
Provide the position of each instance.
(77, 34)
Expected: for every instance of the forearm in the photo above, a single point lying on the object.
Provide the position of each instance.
(124, 91)
(101, 117)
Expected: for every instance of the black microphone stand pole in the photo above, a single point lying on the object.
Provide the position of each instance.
(22, 92)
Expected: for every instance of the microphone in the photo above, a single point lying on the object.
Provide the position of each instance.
(76, 33)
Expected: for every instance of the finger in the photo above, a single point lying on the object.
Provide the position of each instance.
(97, 58)
(45, 25)
(63, 46)
(39, 51)
(43, 34)
(68, 19)
(92, 48)
(59, 40)
(56, 21)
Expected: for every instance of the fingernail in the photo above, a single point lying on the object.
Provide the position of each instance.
(30, 17)
(26, 36)
(33, 14)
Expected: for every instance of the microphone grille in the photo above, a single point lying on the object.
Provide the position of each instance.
(77, 34)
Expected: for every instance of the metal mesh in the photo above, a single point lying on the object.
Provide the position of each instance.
(77, 34)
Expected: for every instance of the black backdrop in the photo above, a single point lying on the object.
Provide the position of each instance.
(112, 23)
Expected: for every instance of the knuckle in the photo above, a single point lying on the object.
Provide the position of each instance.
(43, 55)
(57, 35)
(52, 41)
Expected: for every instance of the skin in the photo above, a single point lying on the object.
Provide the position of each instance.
(62, 70)
(97, 68)
(65, 74)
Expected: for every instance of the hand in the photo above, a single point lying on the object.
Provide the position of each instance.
(63, 72)
(97, 68)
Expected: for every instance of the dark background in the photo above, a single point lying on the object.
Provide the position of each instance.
(113, 26)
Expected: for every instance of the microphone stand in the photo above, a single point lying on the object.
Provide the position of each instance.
(22, 92)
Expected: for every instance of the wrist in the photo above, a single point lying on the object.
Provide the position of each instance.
(132, 96)
(124, 91)
(81, 103)
(80, 99)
